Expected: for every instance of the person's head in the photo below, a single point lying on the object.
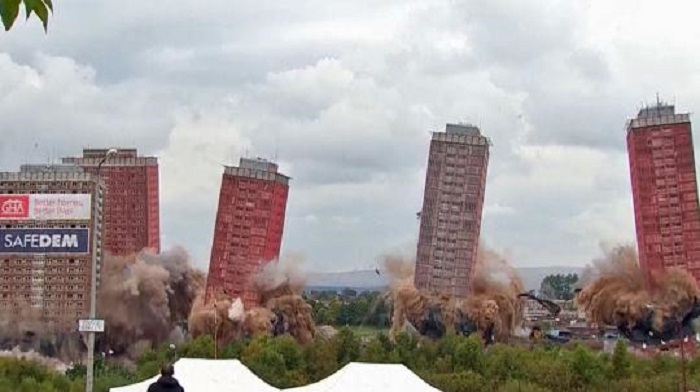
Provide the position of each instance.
(167, 370)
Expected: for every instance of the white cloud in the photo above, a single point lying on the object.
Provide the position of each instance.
(344, 94)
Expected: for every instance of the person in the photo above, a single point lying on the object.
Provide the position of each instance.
(166, 382)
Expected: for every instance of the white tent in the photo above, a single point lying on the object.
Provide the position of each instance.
(361, 377)
(209, 375)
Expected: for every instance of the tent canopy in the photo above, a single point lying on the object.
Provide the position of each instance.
(361, 377)
(209, 375)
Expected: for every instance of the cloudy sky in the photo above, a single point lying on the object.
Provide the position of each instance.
(345, 95)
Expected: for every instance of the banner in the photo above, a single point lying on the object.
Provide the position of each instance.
(37, 240)
(45, 207)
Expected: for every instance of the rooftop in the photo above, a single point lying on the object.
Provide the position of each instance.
(258, 164)
(658, 114)
(257, 168)
(101, 152)
(462, 134)
(123, 157)
(658, 110)
(462, 129)
(51, 168)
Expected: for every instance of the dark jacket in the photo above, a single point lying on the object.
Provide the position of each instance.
(166, 384)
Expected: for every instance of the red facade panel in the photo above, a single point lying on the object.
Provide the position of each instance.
(664, 190)
(248, 233)
(132, 211)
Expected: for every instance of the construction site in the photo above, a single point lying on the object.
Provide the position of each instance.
(647, 296)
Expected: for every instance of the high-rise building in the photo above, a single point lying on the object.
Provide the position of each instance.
(248, 229)
(132, 212)
(45, 244)
(664, 190)
(450, 220)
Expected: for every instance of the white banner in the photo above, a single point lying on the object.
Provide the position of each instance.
(60, 206)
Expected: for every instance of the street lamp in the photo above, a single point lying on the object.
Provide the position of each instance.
(96, 208)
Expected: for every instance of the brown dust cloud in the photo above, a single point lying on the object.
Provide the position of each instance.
(148, 300)
(492, 308)
(282, 308)
(615, 291)
(145, 300)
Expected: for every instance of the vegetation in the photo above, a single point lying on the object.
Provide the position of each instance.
(9, 11)
(453, 364)
(368, 308)
(559, 286)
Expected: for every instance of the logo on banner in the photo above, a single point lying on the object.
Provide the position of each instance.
(52, 206)
(44, 240)
(14, 206)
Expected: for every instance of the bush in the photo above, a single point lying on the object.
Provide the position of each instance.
(453, 364)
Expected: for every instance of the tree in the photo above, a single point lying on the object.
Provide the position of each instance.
(620, 361)
(9, 10)
(265, 362)
(559, 286)
(469, 355)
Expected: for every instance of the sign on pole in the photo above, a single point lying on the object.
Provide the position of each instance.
(91, 325)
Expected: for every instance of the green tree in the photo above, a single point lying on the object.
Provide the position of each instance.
(347, 346)
(265, 362)
(202, 347)
(9, 11)
(375, 352)
(457, 382)
(559, 286)
(321, 360)
(586, 366)
(469, 355)
(620, 364)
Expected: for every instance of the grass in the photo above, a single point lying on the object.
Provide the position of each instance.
(367, 330)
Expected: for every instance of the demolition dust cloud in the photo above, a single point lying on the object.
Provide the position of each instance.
(281, 308)
(148, 298)
(144, 299)
(491, 307)
(616, 292)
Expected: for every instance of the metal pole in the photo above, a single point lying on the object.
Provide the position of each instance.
(93, 279)
(685, 382)
(216, 329)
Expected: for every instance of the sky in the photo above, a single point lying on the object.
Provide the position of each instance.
(344, 95)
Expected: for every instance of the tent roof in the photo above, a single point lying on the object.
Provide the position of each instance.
(359, 377)
(209, 375)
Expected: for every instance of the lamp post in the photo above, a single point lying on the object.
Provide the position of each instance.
(93, 283)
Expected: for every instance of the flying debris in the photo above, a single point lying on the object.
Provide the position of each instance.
(281, 310)
(650, 331)
(144, 298)
(492, 308)
(552, 307)
(651, 313)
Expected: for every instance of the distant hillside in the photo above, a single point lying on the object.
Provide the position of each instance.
(531, 276)
(352, 279)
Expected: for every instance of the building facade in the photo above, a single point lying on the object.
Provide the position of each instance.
(664, 190)
(450, 219)
(248, 229)
(45, 249)
(132, 210)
